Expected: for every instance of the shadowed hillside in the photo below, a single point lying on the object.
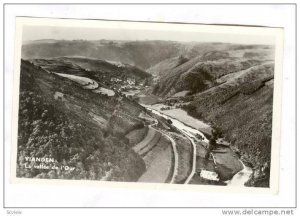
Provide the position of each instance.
(231, 89)
(242, 108)
(77, 127)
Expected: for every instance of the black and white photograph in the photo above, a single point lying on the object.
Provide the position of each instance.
(142, 102)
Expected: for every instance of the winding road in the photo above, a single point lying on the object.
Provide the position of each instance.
(184, 131)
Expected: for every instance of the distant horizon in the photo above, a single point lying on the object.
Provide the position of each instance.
(149, 40)
(36, 33)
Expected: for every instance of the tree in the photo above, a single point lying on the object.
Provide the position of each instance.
(216, 134)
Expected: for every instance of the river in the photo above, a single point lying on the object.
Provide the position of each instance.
(239, 179)
(190, 131)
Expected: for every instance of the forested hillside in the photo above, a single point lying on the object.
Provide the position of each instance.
(78, 129)
(231, 89)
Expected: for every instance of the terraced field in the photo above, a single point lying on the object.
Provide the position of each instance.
(151, 137)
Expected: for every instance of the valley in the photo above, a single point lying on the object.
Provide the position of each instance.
(193, 114)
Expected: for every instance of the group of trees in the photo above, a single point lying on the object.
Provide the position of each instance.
(216, 133)
(47, 129)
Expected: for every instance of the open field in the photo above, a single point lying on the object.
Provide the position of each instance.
(158, 162)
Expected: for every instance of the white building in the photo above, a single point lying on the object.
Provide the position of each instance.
(58, 96)
(209, 175)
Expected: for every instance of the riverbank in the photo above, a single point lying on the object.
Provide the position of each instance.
(225, 162)
(182, 116)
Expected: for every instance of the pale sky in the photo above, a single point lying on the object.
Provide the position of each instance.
(75, 33)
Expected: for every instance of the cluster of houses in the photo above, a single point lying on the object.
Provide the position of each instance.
(124, 85)
(128, 81)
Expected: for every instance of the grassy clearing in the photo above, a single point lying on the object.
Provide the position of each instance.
(158, 162)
